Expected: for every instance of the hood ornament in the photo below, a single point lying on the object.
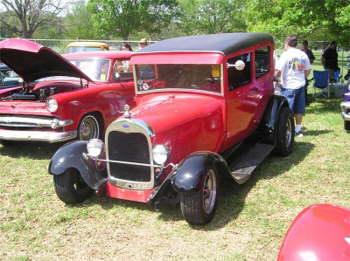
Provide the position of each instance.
(127, 113)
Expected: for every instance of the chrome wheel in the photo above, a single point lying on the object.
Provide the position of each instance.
(89, 128)
(289, 131)
(209, 192)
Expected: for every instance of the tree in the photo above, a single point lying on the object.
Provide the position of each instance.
(79, 24)
(124, 17)
(30, 15)
(307, 18)
(212, 16)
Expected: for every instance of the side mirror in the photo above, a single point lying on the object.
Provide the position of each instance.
(238, 65)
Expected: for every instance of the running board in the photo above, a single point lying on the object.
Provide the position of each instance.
(243, 167)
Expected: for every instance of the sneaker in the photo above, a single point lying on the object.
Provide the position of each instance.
(299, 134)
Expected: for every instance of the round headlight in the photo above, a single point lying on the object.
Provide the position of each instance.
(52, 105)
(95, 147)
(160, 154)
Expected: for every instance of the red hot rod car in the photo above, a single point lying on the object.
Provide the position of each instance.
(62, 98)
(205, 107)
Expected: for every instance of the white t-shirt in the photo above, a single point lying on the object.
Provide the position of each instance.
(292, 64)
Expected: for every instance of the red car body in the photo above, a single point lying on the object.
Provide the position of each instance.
(85, 107)
(199, 99)
(319, 233)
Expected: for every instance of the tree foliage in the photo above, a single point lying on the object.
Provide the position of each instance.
(30, 15)
(212, 16)
(124, 17)
(312, 19)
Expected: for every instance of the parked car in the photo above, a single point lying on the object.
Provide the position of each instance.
(75, 47)
(345, 108)
(62, 98)
(205, 107)
(320, 232)
(8, 78)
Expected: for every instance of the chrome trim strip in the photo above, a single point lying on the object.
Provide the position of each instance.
(46, 136)
(133, 126)
(31, 122)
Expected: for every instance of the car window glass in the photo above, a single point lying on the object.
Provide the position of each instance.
(96, 69)
(122, 71)
(200, 77)
(238, 78)
(262, 61)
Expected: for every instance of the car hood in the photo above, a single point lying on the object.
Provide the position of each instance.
(32, 61)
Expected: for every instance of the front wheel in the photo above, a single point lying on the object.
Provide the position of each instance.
(347, 125)
(198, 208)
(89, 128)
(71, 188)
(285, 132)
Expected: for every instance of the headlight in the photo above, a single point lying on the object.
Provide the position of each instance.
(160, 154)
(95, 147)
(52, 105)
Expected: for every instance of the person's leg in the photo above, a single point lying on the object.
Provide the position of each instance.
(299, 108)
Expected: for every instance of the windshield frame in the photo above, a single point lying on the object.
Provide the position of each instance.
(221, 93)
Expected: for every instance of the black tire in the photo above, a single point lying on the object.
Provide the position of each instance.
(347, 125)
(71, 188)
(198, 208)
(90, 128)
(285, 132)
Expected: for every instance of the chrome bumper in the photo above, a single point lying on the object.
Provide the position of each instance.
(345, 110)
(47, 136)
(13, 121)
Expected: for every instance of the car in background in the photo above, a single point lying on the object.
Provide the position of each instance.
(205, 108)
(62, 98)
(75, 47)
(320, 232)
(345, 107)
(8, 78)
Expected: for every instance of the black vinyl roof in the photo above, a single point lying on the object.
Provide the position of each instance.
(224, 43)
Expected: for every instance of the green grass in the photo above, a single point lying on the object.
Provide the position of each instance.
(250, 222)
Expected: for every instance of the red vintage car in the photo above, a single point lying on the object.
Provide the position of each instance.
(319, 233)
(205, 108)
(62, 98)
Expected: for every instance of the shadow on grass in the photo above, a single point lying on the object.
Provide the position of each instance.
(232, 196)
(316, 132)
(322, 105)
(32, 150)
(231, 200)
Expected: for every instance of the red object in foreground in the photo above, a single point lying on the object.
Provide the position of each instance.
(62, 97)
(319, 233)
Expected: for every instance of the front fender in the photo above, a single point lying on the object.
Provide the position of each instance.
(190, 172)
(271, 117)
(71, 156)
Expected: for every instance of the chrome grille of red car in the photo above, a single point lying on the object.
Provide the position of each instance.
(129, 147)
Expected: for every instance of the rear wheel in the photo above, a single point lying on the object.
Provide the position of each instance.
(71, 188)
(347, 125)
(198, 208)
(89, 128)
(285, 132)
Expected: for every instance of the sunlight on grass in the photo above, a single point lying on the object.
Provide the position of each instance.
(250, 222)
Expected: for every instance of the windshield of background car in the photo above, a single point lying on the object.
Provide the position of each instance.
(96, 69)
(150, 77)
(78, 49)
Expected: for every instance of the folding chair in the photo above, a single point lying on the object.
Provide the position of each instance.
(321, 82)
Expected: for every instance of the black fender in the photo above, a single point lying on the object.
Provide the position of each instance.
(190, 172)
(71, 155)
(271, 116)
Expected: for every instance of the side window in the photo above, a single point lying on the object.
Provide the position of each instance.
(262, 61)
(122, 71)
(239, 78)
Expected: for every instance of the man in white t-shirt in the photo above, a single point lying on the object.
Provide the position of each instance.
(293, 67)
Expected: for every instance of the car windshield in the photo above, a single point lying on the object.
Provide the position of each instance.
(96, 69)
(178, 76)
(78, 49)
